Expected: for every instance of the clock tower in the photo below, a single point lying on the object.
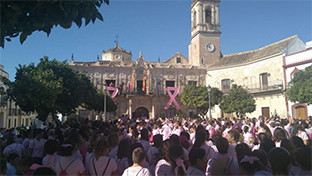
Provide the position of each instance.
(204, 48)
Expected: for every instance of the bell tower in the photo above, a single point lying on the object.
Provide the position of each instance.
(204, 48)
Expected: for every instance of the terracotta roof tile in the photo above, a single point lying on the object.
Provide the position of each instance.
(248, 56)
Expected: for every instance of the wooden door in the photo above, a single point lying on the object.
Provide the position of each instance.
(300, 113)
(265, 112)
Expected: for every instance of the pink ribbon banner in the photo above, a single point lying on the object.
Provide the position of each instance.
(115, 89)
(172, 97)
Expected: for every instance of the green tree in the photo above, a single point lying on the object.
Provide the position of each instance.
(24, 17)
(51, 87)
(238, 100)
(198, 97)
(300, 87)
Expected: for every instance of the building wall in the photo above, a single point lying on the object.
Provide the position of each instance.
(293, 63)
(248, 76)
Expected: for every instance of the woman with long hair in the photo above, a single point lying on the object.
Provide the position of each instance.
(100, 163)
(68, 162)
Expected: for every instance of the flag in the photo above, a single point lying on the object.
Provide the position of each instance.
(156, 84)
(130, 84)
(143, 87)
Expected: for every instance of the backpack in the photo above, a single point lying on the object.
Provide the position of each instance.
(104, 169)
(63, 171)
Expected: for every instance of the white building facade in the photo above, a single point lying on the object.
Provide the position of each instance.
(294, 63)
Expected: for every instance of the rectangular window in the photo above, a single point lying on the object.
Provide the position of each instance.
(110, 83)
(264, 81)
(192, 83)
(178, 60)
(226, 84)
(169, 83)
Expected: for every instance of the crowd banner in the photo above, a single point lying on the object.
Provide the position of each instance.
(172, 97)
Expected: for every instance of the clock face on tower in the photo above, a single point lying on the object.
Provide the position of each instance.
(210, 47)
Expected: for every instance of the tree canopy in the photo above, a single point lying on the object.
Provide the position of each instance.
(300, 87)
(24, 17)
(198, 97)
(51, 87)
(238, 100)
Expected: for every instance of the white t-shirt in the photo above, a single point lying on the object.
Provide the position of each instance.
(151, 154)
(192, 171)
(122, 164)
(146, 145)
(26, 143)
(136, 171)
(100, 166)
(51, 160)
(15, 147)
(303, 135)
(37, 147)
(163, 168)
(75, 168)
(113, 153)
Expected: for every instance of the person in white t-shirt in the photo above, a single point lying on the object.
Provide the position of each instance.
(144, 139)
(100, 164)
(198, 162)
(137, 169)
(36, 147)
(68, 163)
(51, 159)
(14, 148)
(123, 154)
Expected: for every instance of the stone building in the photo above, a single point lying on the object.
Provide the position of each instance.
(142, 85)
(10, 113)
(260, 71)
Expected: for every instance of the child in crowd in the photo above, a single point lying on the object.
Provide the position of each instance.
(137, 169)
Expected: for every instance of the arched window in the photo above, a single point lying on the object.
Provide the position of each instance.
(208, 15)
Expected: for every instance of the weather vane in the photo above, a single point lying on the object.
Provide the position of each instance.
(116, 41)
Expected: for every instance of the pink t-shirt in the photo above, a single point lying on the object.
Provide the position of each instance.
(75, 168)
(98, 166)
(136, 171)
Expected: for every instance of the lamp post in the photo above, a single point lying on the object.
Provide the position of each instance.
(209, 90)
(104, 103)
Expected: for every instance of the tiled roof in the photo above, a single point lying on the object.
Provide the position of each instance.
(248, 56)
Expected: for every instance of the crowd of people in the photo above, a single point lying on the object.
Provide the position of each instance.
(158, 147)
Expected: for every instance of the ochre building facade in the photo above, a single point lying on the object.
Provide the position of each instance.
(259, 71)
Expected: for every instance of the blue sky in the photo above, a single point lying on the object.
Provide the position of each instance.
(162, 28)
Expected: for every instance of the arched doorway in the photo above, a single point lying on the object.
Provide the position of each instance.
(141, 112)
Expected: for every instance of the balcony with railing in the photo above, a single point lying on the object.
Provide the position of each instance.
(276, 85)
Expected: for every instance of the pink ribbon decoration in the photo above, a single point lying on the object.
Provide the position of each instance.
(172, 97)
(115, 89)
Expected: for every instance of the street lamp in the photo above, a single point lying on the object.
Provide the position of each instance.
(104, 103)
(209, 90)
